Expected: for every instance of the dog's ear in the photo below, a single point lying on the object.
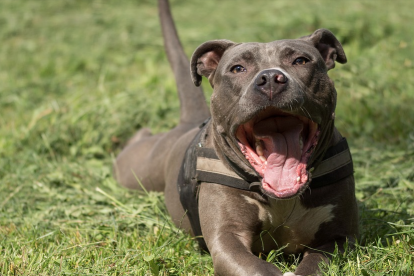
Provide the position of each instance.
(328, 46)
(206, 59)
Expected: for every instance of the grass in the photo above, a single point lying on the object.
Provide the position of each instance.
(77, 78)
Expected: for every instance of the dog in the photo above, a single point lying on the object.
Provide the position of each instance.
(264, 167)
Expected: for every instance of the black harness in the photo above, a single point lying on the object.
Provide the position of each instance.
(201, 164)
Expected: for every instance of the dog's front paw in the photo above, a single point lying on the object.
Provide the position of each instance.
(290, 274)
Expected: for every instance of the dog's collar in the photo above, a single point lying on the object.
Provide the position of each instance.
(335, 165)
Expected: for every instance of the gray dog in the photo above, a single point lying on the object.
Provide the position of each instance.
(268, 170)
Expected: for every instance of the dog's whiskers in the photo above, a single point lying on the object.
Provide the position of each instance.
(306, 111)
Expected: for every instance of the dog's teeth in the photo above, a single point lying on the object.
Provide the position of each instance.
(259, 150)
(298, 179)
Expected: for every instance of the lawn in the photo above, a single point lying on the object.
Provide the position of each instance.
(78, 78)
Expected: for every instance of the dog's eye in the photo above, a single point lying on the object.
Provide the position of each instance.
(237, 69)
(300, 61)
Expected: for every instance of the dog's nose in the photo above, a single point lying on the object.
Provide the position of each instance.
(271, 81)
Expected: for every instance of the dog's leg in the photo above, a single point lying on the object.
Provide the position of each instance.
(139, 162)
(229, 230)
(310, 264)
(313, 257)
(140, 135)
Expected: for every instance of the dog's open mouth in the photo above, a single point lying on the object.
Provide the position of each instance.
(278, 145)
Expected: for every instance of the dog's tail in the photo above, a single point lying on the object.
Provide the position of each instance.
(194, 108)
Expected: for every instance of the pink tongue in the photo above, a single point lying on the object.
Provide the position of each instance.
(280, 136)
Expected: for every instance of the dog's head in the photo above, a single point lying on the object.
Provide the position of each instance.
(273, 105)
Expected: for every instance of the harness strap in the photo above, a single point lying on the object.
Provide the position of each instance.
(211, 169)
(336, 165)
(188, 187)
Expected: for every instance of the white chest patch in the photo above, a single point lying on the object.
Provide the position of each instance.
(291, 224)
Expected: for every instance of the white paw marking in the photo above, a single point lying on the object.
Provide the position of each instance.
(289, 274)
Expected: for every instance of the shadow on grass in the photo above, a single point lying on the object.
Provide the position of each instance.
(381, 224)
